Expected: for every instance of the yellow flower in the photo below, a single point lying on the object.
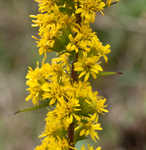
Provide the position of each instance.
(90, 147)
(97, 103)
(52, 126)
(52, 143)
(35, 79)
(52, 91)
(90, 127)
(66, 110)
(88, 9)
(108, 2)
(88, 65)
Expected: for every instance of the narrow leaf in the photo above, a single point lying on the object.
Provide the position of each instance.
(109, 73)
(42, 105)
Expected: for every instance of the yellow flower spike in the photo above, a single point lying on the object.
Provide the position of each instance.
(63, 85)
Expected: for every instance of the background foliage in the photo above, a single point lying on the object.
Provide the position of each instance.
(124, 27)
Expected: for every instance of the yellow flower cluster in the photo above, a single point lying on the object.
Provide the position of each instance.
(73, 107)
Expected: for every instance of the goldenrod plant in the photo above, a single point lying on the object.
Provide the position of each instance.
(63, 86)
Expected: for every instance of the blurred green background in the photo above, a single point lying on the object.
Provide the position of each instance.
(124, 27)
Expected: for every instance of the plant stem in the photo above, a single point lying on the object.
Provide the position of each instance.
(71, 136)
(74, 77)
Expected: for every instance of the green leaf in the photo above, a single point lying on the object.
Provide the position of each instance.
(66, 10)
(109, 73)
(66, 6)
(85, 108)
(62, 40)
(42, 105)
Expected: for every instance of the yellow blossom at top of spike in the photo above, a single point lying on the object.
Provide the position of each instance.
(50, 24)
(73, 106)
(88, 9)
(86, 41)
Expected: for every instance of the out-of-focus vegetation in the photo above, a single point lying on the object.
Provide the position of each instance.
(124, 27)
